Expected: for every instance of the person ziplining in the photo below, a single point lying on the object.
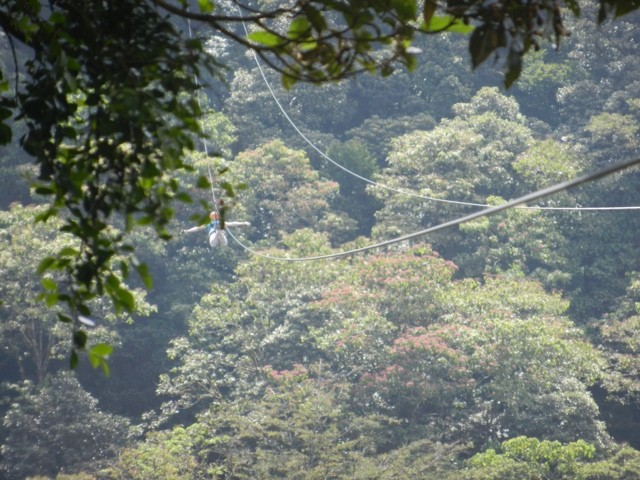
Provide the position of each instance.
(216, 229)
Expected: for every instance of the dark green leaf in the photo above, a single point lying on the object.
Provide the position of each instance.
(57, 17)
(429, 9)
(288, 81)
(483, 41)
(51, 299)
(203, 182)
(50, 212)
(622, 7)
(46, 264)
(125, 298)
(79, 339)
(406, 9)
(73, 360)
(184, 197)
(68, 252)
(124, 268)
(228, 188)
(514, 68)
(144, 220)
(42, 190)
(113, 282)
(143, 271)
(4, 112)
(5, 134)
(150, 170)
(573, 6)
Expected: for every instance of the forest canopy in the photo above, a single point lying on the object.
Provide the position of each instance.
(504, 347)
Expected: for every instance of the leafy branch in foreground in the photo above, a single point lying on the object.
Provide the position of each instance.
(107, 121)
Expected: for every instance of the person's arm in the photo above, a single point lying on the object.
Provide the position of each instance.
(194, 229)
(237, 224)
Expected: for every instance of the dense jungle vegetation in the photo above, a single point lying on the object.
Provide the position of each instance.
(505, 348)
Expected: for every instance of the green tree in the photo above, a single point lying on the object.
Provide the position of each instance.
(32, 336)
(169, 454)
(548, 162)
(353, 197)
(500, 360)
(300, 427)
(621, 462)
(283, 193)
(464, 159)
(544, 73)
(252, 109)
(240, 327)
(105, 115)
(57, 427)
(619, 337)
(377, 132)
(603, 69)
(444, 359)
(302, 432)
(613, 135)
(529, 458)
(524, 240)
(604, 251)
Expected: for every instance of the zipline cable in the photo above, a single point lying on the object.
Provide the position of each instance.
(482, 213)
(204, 137)
(467, 218)
(387, 187)
(327, 157)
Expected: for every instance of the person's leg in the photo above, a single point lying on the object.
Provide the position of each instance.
(218, 239)
(213, 240)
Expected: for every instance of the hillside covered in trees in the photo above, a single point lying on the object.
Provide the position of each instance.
(502, 348)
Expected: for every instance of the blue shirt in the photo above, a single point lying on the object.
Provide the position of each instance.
(213, 226)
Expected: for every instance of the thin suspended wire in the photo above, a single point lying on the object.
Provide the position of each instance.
(204, 137)
(393, 189)
(467, 218)
(331, 160)
(486, 212)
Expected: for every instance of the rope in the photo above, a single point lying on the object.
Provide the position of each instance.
(486, 212)
(204, 138)
(387, 187)
(327, 157)
(467, 218)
